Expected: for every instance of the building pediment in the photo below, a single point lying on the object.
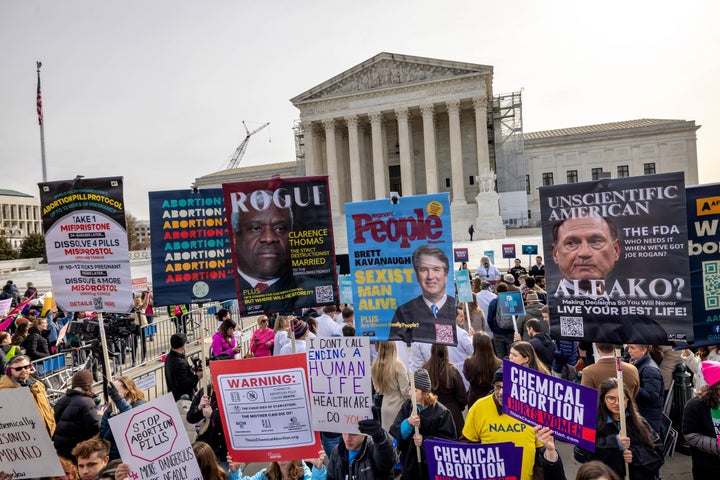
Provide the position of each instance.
(387, 71)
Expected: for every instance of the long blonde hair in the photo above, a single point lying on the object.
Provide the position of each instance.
(134, 394)
(385, 366)
(295, 471)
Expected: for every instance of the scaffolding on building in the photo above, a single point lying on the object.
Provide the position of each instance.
(509, 158)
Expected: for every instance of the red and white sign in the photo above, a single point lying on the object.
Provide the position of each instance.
(139, 284)
(265, 408)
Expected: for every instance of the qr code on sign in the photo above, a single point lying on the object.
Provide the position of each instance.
(571, 327)
(97, 303)
(444, 334)
(324, 294)
(711, 284)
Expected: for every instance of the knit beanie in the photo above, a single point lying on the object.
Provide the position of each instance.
(177, 340)
(299, 327)
(83, 378)
(422, 380)
(711, 372)
(498, 376)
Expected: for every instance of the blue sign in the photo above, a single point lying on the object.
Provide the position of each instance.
(464, 290)
(529, 249)
(511, 303)
(401, 269)
(346, 294)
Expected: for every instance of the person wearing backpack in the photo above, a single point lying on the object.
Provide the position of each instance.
(501, 327)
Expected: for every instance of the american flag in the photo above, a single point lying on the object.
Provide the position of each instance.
(39, 102)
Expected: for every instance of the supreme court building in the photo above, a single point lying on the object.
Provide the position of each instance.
(414, 125)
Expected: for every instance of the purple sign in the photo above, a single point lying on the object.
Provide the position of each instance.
(508, 250)
(461, 254)
(472, 461)
(568, 409)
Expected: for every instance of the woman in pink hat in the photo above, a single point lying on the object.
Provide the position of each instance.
(701, 424)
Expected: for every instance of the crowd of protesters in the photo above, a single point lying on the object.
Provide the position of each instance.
(458, 394)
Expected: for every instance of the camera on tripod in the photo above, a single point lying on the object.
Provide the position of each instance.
(197, 364)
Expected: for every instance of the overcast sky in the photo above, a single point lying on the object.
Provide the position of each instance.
(155, 91)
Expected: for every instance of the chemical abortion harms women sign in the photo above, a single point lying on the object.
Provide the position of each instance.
(449, 460)
(26, 450)
(340, 382)
(568, 409)
(151, 439)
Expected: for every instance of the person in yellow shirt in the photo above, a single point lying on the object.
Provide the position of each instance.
(485, 423)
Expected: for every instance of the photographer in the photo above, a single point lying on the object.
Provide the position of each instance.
(181, 379)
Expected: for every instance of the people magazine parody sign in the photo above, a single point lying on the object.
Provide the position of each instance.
(152, 440)
(265, 408)
(454, 460)
(618, 267)
(703, 212)
(86, 243)
(400, 255)
(567, 408)
(282, 244)
(26, 450)
(191, 260)
(340, 382)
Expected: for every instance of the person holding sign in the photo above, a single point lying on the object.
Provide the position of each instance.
(429, 317)
(286, 470)
(433, 420)
(641, 448)
(701, 424)
(368, 455)
(485, 423)
(18, 372)
(223, 341)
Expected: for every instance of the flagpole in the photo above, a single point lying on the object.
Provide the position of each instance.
(41, 123)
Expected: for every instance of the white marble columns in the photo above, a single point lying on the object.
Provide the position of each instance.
(405, 144)
(483, 157)
(332, 165)
(380, 171)
(456, 162)
(356, 173)
(431, 168)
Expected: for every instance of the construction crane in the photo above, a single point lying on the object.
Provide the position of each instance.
(240, 150)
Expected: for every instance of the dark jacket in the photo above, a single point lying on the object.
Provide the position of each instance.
(179, 377)
(35, 344)
(77, 420)
(454, 398)
(492, 320)
(214, 435)
(435, 422)
(566, 353)
(105, 431)
(697, 428)
(544, 348)
(651, 393)
(607, 450)
(374, 461)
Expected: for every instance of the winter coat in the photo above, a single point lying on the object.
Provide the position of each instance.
(565, 354)
(435, 422)
(374, 461)
(649, 400)
(36, 344)
(454, 398)
(544, 348)
(77, 420)
(697, 428)
(179, 377)
(106, 432)
(214, 435)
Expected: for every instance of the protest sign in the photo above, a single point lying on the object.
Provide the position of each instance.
(5, 306)
(471, 461)
(152, 440)
(282, 244)
(568, 409)
(529, 249)
(461, 254)
(464, 290)
(86, 243)
(508, 250)
(394, 300)
(587, 229)
(26, 450)
(511, 303)
(345, 283)
(190, 247)
(490, 254)
(340, 382)
(139, 284)
(265, 408)
(703, 211)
